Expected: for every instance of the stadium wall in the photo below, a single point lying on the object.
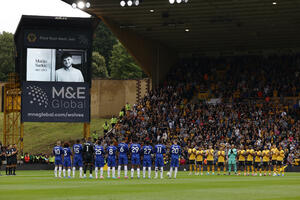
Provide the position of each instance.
(109, 96)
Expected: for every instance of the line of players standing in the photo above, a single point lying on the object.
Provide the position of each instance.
(10, 155)
(250, 160)
(88, 156)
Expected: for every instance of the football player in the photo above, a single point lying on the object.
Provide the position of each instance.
(123, 158)
(58, 152)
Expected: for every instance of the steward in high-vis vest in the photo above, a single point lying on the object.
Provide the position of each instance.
(105, 127)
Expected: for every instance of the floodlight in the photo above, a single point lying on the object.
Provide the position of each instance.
(74, 5)
(80, 4)
(122, 3)
(178, 1)
(87, 5)
(171, 1)
(129, 3)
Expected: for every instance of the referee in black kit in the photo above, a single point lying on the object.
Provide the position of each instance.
(88, 157)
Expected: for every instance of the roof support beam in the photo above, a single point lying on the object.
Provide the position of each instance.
(154, 58)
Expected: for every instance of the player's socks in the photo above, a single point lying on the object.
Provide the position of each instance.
(161, 172)
(144, 172)
(59, 172)
(138, 172)
(125, 171)
(96, 172)
(149, 172)
(113, 172)
(6, 170)
(91, 170)
(252, 169)
(9, 171)
(69, 173)
(14, 170)
(218, 170)
(132, 172)
(119, 171)
(101, 172)
(108, 172)
(191, 169)
(156, 172)
(84, 169)
(208, 168)
(64, 173)
(73, 171)
(55, 171)
(171, 171)
(213, 169)
(224, 170)
(80, 172)
(175, 172)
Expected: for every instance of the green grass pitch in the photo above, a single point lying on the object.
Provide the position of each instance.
(42, 185)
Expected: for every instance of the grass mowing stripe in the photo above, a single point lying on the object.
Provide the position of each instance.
(42, 185)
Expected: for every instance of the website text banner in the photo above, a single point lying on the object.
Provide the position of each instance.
(55, 102)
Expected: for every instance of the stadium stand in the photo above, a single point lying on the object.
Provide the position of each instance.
(226, 100)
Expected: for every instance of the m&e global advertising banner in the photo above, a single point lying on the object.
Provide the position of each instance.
(56, 102)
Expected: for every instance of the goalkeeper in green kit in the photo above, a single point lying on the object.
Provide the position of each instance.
(232, 153)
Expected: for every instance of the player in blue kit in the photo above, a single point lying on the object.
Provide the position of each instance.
(123, 159)
(111, 159)
(99, 159)
(67, 160)
(159, 151)
(147, 162)
(77, 158)
(175, 152)
(135, 150)
(58, 152)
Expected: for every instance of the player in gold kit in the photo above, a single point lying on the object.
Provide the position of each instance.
(192, 157)
(199, 160)
(257, 161)
(210, 160)
(242, 159)
(221, 160)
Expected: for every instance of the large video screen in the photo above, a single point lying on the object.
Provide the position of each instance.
(57, 65)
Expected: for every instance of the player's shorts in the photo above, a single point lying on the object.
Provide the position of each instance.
(147, 163)
(13, 160)
(8, 161)
(99, 162)
(210, 162)
(58, 162)
(77, 162)
(67, 162)
(242, 164)
(249, 163)
(123, 160)
(88, 160)
(220, 164)
(199, 162)
(159, 162)
(265, 164)
(274, 162)
(135, 160)
(257, 164)
(111, 162)
(279, 163)
(191, 162)
(174, 162)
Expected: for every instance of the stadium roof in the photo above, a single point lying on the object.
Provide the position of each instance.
(214, 25)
